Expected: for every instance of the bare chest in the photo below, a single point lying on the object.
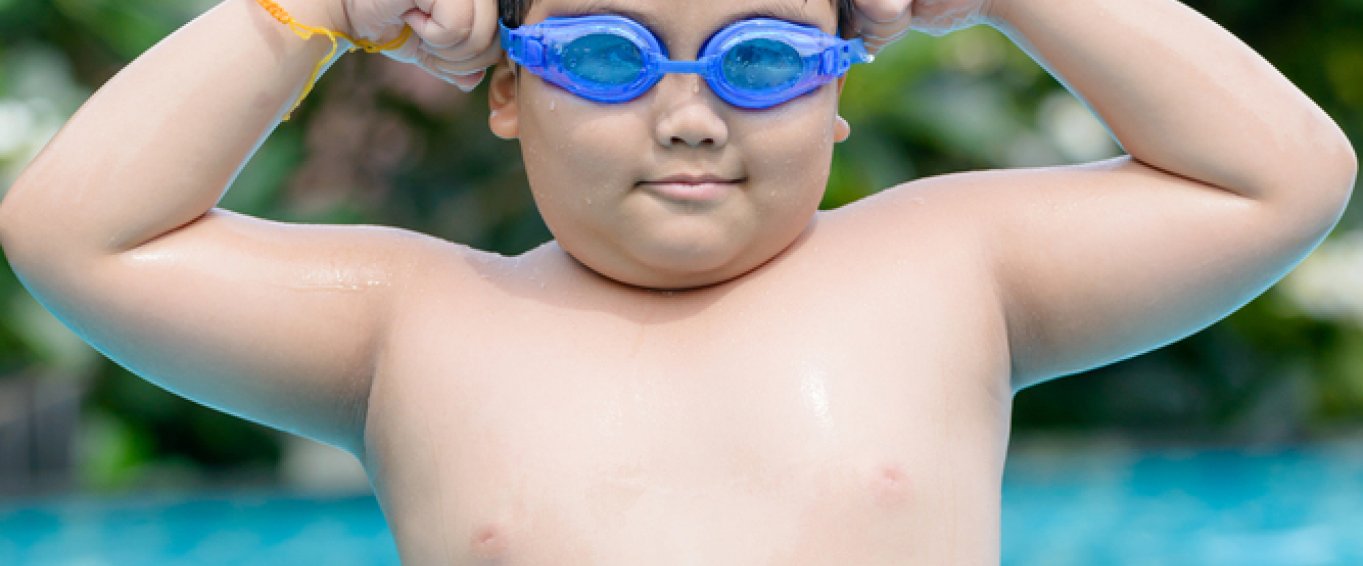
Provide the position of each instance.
(823, 434)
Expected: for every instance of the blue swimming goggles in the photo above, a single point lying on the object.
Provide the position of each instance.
(755, 63)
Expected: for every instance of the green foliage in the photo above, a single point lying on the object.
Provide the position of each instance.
(380, 143)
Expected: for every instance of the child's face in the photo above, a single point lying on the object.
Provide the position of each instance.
(594, 168)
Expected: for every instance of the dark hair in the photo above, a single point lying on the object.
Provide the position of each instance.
(513, 12)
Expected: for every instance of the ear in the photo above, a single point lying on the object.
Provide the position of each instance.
(841, 129)
(504, 116)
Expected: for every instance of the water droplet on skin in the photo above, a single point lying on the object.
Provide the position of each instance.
(695, 87)
(553, 104)
(589, 201)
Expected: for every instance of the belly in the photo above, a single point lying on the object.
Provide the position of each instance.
(842, 513)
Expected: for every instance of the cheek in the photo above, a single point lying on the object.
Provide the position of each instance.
(574, 153)
(792, 155)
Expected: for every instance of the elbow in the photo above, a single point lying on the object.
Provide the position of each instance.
(1343, 167)
(1319, 194)
(13, 221)
(1340, 180)
(19, 237)
(1350, 175)
(10, 236)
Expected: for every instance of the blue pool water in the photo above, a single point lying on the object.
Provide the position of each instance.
(1300, 506)
(1291, 507)
(199, 529)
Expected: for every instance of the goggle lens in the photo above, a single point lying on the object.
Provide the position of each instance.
(603, 59)
(754, 63)
(762, 65)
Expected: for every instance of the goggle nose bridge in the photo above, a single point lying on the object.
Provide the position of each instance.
(696, 67)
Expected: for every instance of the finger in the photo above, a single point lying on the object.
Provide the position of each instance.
(409, 52)
(442, 32)
(465, 83)
(470, 81)
(447, 78)
(377, 20)
(875, 41)
(479, 53)
(468, 67)
(465, 80)
(457, 25)
(884, 11)
(485, 58)
(882, 22)
(483, 33)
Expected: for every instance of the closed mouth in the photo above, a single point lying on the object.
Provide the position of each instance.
(692, 188)
(691, 179)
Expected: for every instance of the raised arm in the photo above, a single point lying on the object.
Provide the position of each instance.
(1233, 176)
(112, 228)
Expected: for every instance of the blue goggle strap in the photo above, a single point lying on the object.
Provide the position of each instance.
(518, 45)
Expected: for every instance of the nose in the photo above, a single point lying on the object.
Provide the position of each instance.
(687, 113)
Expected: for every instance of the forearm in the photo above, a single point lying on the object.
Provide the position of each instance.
(158, 144)
(1183, 95)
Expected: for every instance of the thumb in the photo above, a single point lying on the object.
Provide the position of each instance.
(882, 22)
(882, 11)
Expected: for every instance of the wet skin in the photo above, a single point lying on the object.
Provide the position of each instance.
(820, 407)
(824, 410)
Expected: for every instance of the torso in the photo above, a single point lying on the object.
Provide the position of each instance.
(830, 409)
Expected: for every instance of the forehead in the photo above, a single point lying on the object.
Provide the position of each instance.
(667, 15)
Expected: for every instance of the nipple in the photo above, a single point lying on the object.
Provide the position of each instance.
(890, 485)
(489, 542)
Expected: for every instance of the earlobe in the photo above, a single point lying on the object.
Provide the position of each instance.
(841, 129)
(504, 116)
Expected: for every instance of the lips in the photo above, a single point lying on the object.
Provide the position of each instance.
(692, 179)
(692, 187)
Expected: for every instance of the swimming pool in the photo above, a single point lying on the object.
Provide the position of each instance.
(1294, 506)
(1062, 506)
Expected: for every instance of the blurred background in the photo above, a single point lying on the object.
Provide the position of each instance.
(1277, 385)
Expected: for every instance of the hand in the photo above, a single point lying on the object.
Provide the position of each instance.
(882, 22)
(455, 40)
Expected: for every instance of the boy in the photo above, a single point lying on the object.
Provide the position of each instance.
(700, 368)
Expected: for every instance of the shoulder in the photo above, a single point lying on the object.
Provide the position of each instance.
(937, 211)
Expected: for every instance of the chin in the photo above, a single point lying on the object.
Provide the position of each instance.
(670, 268)
(676, 280)
(678, 259)
(673, 266)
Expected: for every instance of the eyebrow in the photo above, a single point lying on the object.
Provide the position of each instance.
(790, 11)
(607, 7)
(787, 11)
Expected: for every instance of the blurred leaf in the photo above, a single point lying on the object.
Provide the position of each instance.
(51, 344)
(128, 26)
(110, 453)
